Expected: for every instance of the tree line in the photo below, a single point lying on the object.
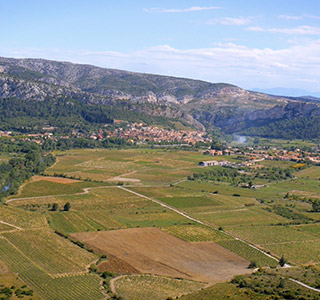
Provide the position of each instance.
(29, 160)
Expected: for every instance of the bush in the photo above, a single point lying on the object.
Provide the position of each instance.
(252, 265)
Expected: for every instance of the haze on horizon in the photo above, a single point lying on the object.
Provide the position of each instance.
(247, 43)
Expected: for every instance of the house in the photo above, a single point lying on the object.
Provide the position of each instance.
(208, 163)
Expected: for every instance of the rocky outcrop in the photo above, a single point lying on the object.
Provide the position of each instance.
(243, 120)
(193, 101)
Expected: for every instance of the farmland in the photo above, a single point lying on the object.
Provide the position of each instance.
(151, 251)
(140, 201)
(137, 287)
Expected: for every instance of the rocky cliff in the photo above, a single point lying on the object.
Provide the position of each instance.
(196, 102)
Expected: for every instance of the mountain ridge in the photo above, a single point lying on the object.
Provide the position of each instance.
(199, 103)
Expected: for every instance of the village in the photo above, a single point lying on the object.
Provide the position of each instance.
(140, 133)
(133, 132)
(253, 155)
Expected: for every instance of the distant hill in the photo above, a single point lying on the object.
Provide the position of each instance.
(197, 103)
(289, 92)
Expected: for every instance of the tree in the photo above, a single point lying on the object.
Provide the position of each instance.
(316, 205)
(282, 283)
(282, 261)
(252, 265)
(67, 206)
(55, 207)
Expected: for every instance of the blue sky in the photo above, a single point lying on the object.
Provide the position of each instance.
(253, 44)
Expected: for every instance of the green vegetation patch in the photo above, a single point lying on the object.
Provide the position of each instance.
(71, 222)
(270, 234)
(181, 202)
(248, 252)
(22, 218)
(298, 252)
(137, 287)
(47, 188)
(312, 173)
(77, 287)
(238, 217)
(221, 291)
(314, 229)
(196, 233)
(13, 288)
(50, 252)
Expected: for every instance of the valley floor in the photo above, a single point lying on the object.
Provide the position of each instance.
(136, 214)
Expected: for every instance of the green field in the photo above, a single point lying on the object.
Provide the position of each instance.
(138, 287)
(11, 284)
(71, 287)
(262, 285)
(46, 188)
(197, 233)
(51, 264)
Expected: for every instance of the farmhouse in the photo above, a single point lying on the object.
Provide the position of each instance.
(209, 163)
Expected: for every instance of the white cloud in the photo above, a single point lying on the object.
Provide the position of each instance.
(301, 30)
(287, 17)
(301, 17)
(180, 10)
(240, 21)
(295, 66)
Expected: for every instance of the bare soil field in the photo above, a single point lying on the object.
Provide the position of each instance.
(54, 179)
(150, 250)
(114, 264)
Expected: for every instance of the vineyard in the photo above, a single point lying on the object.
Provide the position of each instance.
(77, 287)
(212, 244)
(196, 233)
(50, 252)
(248, 252)
(137, 287)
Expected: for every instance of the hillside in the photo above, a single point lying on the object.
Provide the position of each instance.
(114, 84)
(198, 103)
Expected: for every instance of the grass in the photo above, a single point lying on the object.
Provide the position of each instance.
(314, 229)
(150, 166)
(16, 286)
(240, 217)
(46, 188)
(77, 287)
(196, 233)
(71, 222)
(101, 209)
(313, 173)
(264, 284)
(305, 252)
(50, 252)
(248, 252)
(221, 291)
(271, 234)
(137, 287)
(161, 174)
(22, 218)
(4, 228)
(307, 274)
(181, 202)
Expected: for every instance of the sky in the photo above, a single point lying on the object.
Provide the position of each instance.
(249, 43)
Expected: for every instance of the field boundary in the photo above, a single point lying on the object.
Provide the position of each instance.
(11, 225)
(198, 221)
(304, 285)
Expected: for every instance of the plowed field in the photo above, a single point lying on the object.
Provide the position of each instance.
(150, 250)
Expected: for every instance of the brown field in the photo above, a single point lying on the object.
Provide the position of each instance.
(54, 179)
(150, 250)
(116, 265)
